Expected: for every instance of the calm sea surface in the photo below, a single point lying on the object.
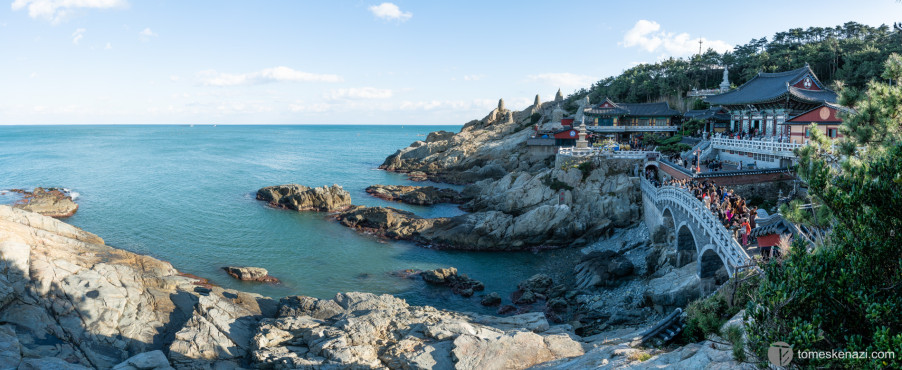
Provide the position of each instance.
(186, 195)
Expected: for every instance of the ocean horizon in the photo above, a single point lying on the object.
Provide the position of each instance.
(186, 195)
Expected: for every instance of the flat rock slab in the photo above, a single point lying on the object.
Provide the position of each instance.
(250, 274)
(418, 195)
(51, 202)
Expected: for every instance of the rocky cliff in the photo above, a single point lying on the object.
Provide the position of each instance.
(486, 148)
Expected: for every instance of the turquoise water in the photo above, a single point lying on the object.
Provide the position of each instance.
(186, 195)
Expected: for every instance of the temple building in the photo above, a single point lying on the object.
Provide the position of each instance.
(824, 116)
(716, 119)
(762, 105)
(624, 121)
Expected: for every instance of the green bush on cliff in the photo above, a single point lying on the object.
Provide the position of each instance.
(844, 294)
(586, 168)
(534, 118)
(705, 316)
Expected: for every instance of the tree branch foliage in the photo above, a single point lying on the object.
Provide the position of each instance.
(846, 293)
(852, 53)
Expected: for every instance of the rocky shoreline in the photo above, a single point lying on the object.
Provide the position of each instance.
(53, 202)
(68, 301)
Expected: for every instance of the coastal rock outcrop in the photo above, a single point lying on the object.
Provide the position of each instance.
(51, 202)
(302, 198)
(602, 268)
(250, 274)
(97, 305)
(419, 195)
(388, 222)
(459, 283)
(486, 148)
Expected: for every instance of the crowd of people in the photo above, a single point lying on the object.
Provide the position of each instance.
(730, 208)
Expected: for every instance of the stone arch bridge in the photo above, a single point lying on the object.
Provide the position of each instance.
(698, 235)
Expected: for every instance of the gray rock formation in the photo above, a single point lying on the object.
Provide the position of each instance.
(51, 202)
(537, 103)
(387, 222)
(301, 198)
(459, 283)
(558, 97)
(501, 104)
(419, 195)
(673, 289)
(602, 268)
(250, 274)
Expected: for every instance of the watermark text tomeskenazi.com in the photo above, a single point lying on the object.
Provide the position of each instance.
(841, 355)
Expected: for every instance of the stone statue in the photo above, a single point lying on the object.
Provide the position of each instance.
(558, 97)
(501, 104)
(580, 112)
(725, 84)
(557, 115)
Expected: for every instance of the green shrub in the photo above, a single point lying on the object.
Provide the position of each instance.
(733, 334)
(586, 168)
(557, 185)
(534, 118)
(704, 317)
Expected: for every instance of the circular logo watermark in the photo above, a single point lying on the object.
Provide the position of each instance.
(779, 353)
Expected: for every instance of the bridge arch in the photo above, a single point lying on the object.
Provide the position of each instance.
(686, 245)
(711, 265)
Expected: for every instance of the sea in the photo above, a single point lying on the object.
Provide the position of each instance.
(186, 195)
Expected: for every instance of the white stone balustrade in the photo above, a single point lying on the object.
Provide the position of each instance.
(756, 146)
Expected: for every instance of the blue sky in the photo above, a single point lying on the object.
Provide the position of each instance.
(351, 62)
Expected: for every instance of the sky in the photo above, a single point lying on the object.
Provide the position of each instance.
(352, 62)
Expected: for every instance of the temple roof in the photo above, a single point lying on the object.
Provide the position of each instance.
(766, 87)
(774, 224)
(609, 108)
(718, 113)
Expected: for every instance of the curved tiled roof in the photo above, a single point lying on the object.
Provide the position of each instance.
(772, 86)
(634, 109)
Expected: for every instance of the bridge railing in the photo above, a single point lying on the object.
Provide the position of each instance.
(599, 152)
(726, 246)
(756, 146)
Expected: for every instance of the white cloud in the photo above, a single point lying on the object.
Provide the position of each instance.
(108, 46)
(147, 34)
(78, 35)
(277, 74)
(359, 93)
(173, 78)
(473, 77)
(648, 36)
(391, 12)
(565, 81)
(57, 10)
(311, 108)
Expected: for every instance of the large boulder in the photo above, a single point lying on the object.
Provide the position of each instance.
(388, 222)
(674, 289)
(602, 268)
(419, 195)
(250, 274)
(302, 198)
(51, 202)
